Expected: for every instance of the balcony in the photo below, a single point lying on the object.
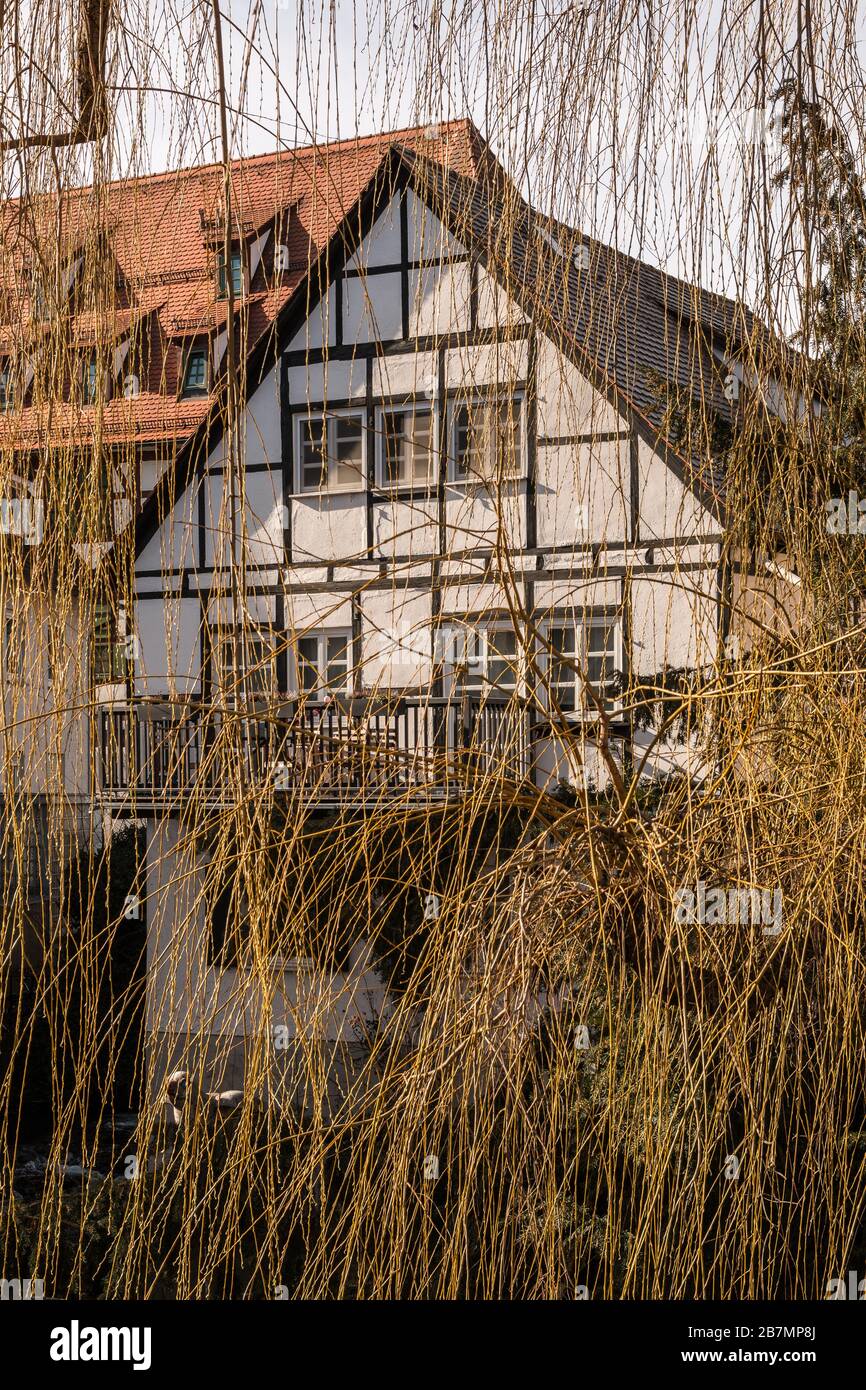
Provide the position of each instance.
(357, 749)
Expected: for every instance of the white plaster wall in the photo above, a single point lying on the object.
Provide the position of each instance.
(476, 516)
(439, 299)
(45, 706)
(264, 517)
(185, 995)
(567, 403)
(320, 327)
(667, 508)
(674, 620)
(496, 308)
(329, 526)
(574, 760)
(168, 657)
(149, 473)
(217, 521)
(317, 610)
(320, 382)
(175, 544)
(763, 604)
(582, 493)
(406, 374)
(406, 527)
(428, 239)
(459, 599)
(257, 609)
(489, 364)
(175, 945)
(586, 592)
(397, 637)
(372, 308)
(382, 244)
(260, 439)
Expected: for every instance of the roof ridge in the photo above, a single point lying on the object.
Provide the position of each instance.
(289, 152)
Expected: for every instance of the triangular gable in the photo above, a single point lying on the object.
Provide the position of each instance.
(400, 169)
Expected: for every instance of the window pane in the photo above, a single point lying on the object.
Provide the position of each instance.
(503, 661)
(13, 651)
(227, 915)
(236, 264)
(262, 678)
(468, 661)
(226, 674)
(332, 452)
(486, 660)
(348, 449)
(467, 445)
(562, 639)
(562, 675)
(314, 464)
(420, 444)
(6, 390)
(337, 658)
(392, 448)
(88, 381)
(108, 657)
(323, 662)
(308, 664)
(506, 444)
(600, 637)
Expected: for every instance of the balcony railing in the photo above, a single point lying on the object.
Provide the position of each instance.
(358, 747)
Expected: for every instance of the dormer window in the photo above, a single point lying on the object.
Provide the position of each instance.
(40, 302)
(7, 387)
(194, 380)
(89, 380)
(93, 380)
(235, 271)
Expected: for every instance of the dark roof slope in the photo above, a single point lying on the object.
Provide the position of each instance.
(644, 337)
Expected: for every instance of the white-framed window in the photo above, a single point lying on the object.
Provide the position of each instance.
(7, 386)
(330, 449)
(194, 377)
(112, 646)
(40, 298)
(324, 663)
(583, 644)
(244, 661)
(234, 273)
(485, 438)
(481, 657)
(93, 379)
(406, 437)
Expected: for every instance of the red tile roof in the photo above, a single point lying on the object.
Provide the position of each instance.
(159, 234)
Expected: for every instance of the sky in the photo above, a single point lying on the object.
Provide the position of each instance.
(643, 122)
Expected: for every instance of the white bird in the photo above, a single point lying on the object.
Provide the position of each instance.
(212, 1102)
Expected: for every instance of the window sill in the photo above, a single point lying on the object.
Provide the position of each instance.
(321, 494)
(403, 492)
(512, 480)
